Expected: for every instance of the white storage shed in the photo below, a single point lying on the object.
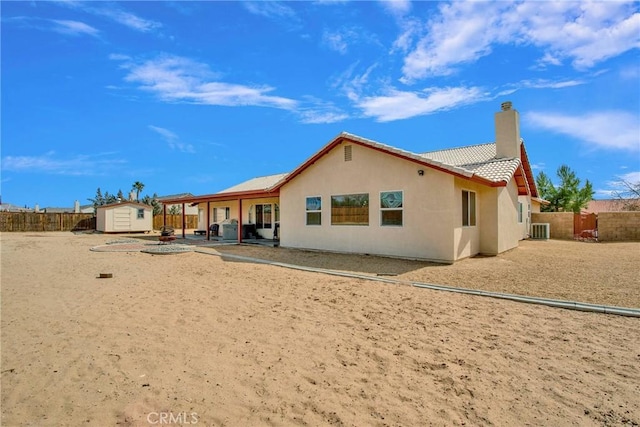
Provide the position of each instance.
(124, 217)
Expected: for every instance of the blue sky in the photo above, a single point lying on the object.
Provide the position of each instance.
(199, 96)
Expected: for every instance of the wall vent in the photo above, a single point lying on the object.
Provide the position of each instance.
(348, 155)
(540, 231)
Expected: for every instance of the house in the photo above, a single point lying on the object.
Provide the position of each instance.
(124, 217)
(8, 207)
(611, 205)
(360, 196)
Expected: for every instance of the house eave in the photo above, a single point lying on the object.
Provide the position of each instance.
(221, 197)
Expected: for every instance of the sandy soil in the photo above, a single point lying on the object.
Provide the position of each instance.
(599, 273)
(198, 339)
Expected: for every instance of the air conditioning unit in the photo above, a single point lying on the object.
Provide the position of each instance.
(540, 231)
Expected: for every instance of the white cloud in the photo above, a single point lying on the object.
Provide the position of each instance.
(584, 33)
(617, 187)
(462, 32)
(113, 12)
(337, 41)
(178, 79)
(74, 28)
(270, 9)
(67, 27)
(49, 163)
(397, 105)
(603, 129)
(127, 19)
(397, 7)
(631, 177)
(172, 139)
(276, 11)
(320, 112)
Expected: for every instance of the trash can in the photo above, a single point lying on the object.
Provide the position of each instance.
(230, 231)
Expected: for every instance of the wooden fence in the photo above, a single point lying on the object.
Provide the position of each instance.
(31, 221)
(175, 221)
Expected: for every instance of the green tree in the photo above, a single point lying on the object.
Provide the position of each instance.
(568, 196)
(109, 198)
(98, 200)
(153, 201)
(137, 187)
(120, 195)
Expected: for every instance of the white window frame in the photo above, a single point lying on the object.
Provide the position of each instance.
(307, 211)
(401, 208)
(140, 214)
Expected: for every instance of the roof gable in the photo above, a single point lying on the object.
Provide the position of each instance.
(477, 162)
(133, 204)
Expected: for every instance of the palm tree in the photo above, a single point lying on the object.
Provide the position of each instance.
(138, 186)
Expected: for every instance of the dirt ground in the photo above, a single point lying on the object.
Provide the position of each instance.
(599, 273)
(198, 339)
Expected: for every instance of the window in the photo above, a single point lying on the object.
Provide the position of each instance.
(391, 208)
(140, 213)
(220, 214)
(351, 209)
(468, 208)
(314, 210)
(520, 206)
(263, 216)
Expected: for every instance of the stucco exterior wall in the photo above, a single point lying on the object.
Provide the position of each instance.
(468, 240)
(535, 207)
(510, 231)
(429, 206)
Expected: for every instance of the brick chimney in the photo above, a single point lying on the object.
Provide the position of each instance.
(507, 124)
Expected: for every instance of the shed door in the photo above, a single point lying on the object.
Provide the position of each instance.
(121, 219)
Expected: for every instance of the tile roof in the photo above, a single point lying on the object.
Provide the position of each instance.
(256, 184)
(478, 159)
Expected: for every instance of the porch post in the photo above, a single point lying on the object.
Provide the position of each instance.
(184, 220)
(239, 220)
(164, 216)
(208, 220)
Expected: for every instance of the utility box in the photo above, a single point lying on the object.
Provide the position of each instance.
(540, 231)
(230, 230)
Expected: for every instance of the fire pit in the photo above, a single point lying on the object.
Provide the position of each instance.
(167, 235)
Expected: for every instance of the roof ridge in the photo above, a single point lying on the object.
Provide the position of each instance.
(458, 148)
(494, 160)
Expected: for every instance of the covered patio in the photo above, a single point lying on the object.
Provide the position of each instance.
(244, 213)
